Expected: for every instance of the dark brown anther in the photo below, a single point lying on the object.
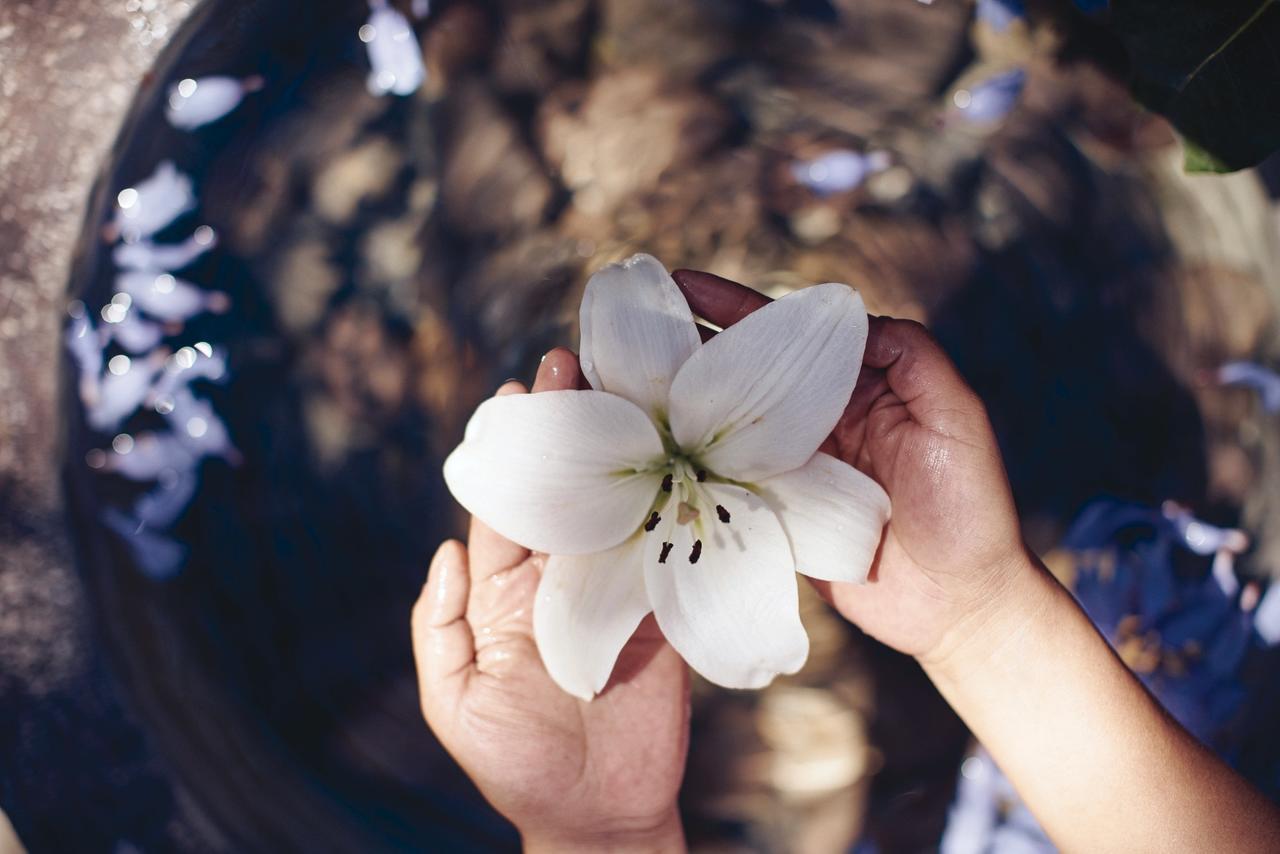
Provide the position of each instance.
(697, 551)
(722, 513)
(666, 550)
(666, 483)
(701, 475)
(653, 521)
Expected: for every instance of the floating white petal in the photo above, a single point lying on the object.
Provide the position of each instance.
(158, 556)
(586, 610)
(833, 515)
(637, 331)
(197, 102)
(154, 203)
(152, 455)
(759, 398)
(121, 394)
(731, 609)
(394, 53)
(162, 257)
(167, 297)
(161, 507)
(557, 472)
(134, 334)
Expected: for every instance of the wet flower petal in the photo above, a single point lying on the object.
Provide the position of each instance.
(758, 399)
(724, 593)
(586, 610)
(637, 331)
(197, 102)
(833, 515)
(154, 203)
(557, 471)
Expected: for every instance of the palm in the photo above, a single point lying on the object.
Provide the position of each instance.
(942, 519)
(549, 752)
(542, 757)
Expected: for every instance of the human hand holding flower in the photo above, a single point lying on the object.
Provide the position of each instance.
(570, 775)
(915, 427)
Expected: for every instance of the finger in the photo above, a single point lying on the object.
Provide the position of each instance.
(490, 551)
(443, 645)
(559, 371)
(920, 374)
(719, 300)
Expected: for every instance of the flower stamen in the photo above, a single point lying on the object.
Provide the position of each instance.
(666, 550)
(722, 513)
(653, 521)
(701, 475)
(666, 483)
(686, 513)
(697, 551)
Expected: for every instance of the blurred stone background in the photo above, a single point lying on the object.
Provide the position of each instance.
(393, 259)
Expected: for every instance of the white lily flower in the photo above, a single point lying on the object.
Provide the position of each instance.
(686, 482)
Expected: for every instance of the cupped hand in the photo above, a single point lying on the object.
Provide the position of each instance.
(914, 426)
(571, 775)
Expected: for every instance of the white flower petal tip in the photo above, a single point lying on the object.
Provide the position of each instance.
(561, 472)
(637, 330)
(587, 608)
(723, 588)
(758, 399)
(834, 516)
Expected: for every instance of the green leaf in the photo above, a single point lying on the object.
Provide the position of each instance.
(1196, 159)
(1212, 67)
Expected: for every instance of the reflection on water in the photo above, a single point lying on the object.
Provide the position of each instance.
(334, 227)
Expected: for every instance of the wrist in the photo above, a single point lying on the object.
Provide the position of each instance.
(665, 837)
(1020, 600)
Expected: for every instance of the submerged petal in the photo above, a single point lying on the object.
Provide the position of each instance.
(724, 592)
(758, 399)
(833, 515)
(637, 331)
(558, 471)
(586, 610)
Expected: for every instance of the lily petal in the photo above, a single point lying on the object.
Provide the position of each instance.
(729, 606)
(833, 515)
(586, 610)
(558, 471)
(637, 331)
(758, 399)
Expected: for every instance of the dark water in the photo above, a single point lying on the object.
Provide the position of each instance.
(389, 261)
